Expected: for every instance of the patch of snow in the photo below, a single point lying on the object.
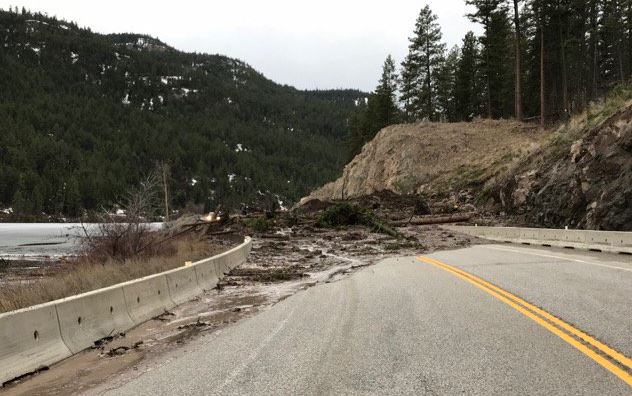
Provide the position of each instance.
(167, 79)
(194, 181)
(231, 177)
(239, 148)
(281, 206)
(161, 98)
(7, 211)
(120, 212)
(36, 50)
(151, 103)
(186, 91)
(125, 100)
(74, 57)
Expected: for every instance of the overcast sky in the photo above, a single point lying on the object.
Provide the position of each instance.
(315, 44)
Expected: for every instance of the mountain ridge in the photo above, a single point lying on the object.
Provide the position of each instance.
(95, 112)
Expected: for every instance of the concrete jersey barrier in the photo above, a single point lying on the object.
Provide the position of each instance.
(606, 241)
(29, 340)
(147, 297)
(38, 336)
(88, 317)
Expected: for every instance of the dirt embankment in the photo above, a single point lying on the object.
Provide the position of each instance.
(433, 158)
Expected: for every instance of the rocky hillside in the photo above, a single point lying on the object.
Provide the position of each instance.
(579, 175)
(433, 158)
(582, 178)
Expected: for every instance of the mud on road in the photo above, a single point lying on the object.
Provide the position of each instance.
(283, 261)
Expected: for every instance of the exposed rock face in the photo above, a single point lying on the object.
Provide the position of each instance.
(421, 157)
(589, 186)
(579, 176)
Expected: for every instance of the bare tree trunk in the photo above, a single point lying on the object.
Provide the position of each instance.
(518, 35)
(165, 170)
(428, 79)
(564, 75)
(489, 95)
(542, 96)
(593, 39)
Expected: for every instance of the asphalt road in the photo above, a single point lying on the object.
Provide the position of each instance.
(415, 326)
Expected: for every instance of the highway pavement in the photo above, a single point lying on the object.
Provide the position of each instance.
(490, 319)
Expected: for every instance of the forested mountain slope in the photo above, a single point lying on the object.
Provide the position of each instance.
(83, 116)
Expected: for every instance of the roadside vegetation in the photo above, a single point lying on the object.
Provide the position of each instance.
(90, 272)
(116, 252)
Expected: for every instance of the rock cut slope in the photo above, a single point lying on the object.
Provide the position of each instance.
(581, 179)
(433, 158)
(579, 175)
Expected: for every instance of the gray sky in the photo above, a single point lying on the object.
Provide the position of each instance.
(316, 44)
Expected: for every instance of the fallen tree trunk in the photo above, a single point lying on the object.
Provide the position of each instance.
(425, 220)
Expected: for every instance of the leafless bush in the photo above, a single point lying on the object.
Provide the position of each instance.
(133, 236)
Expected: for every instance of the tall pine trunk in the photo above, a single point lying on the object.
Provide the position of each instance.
(564, 74)
(593, 44)
(542, 96)
(518, 35)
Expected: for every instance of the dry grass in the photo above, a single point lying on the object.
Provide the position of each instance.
(86, 274)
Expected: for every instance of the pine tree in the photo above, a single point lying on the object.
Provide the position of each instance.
(380, 111)
(466, 95)
(485, 9)
(446, 85)
(386, 111)
(419, 75)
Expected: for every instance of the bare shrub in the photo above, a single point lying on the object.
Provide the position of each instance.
(133, 237)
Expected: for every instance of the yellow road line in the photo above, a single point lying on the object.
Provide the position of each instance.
(481, 284)
(597, 344)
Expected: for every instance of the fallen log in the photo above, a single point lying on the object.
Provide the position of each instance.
(426, 220)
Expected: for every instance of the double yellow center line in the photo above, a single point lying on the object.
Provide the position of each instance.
(611, 360)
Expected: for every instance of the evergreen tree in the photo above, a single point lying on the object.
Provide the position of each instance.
(446, 85)
(467, 98)
(420, 68)
(385, 110)
(380, 110)
(485, 10)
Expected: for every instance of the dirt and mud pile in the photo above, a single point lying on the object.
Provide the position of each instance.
(581, 179)
(433, 158)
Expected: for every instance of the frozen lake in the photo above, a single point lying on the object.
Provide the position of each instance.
(36, 241)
